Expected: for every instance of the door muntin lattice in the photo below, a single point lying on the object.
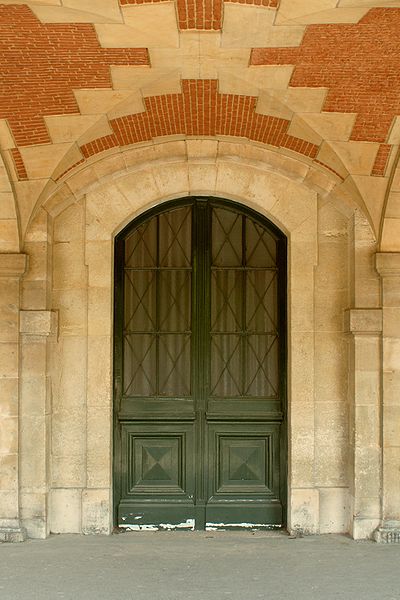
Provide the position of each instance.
(244, 311)
(157, 300)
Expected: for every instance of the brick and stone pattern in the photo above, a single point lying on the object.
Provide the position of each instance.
(382, 157)
(42, 64)
(151, 100)
(200, 111)
(202, 15)
(19, 164)
(358, 63)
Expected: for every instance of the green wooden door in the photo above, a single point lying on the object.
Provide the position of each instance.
(199, 427)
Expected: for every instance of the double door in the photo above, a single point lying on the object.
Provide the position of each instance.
(199, 369)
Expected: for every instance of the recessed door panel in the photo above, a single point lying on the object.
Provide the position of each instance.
(158, 468)
(199, 369)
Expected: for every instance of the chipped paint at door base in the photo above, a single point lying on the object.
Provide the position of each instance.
(188, 525)
(222, 526)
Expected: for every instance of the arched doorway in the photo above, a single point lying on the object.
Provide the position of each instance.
(199, 368)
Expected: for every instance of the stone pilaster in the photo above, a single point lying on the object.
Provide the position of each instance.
(38, 328)
(388, 266)
(365, 325)
(12, 267)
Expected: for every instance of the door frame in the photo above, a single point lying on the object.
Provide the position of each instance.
(282, 299)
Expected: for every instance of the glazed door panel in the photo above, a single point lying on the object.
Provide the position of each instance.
(199, 369)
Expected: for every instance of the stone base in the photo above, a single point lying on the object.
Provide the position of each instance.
(388, 534)
(364, 529)
(12, 534)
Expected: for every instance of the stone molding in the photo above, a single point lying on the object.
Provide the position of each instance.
(13, 265)
(388, 533)
(38, 322)
(367, 321)
(388, 264)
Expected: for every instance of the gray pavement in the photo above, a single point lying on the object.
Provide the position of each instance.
(199, 566)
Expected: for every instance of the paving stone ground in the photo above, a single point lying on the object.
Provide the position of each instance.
(199, 566)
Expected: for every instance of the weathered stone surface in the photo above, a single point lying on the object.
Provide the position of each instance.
(389, 533)
(13, 535)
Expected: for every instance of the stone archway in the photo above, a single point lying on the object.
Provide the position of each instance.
(83, 228)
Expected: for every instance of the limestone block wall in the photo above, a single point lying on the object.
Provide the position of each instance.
(388, 265)
(82, 407)
(331, 293)
(38, 328)
(68, 369)
(12, 266)
(66, 394)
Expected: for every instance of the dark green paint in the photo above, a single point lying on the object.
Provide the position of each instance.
(218, 459)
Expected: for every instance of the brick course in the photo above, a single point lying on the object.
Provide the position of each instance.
(381, 160)
(41, 65)
(200, 111)
(19, 164)
(358, 63)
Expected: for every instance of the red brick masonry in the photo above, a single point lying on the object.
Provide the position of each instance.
(200, 110)
(41, 65)
(358, 63)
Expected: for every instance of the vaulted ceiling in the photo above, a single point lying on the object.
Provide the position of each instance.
(317, 80)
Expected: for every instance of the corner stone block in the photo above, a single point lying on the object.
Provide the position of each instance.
(96, 511)
(38, 322)
(65, 510)
(304, 511)
(13, 535)
(13, 265)
(363, 320)
(389, 533)
(334, 504)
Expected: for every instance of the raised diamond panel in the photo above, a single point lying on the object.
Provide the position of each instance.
(243, 456)
(156, 464)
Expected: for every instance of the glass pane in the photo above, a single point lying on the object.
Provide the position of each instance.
(261, 365)
(139, 365)
(225, 365)
(175, 297)
(261, 301)
(175, 238)
(226, 238)
(260, 246)
(226, 300)
(174, 365)
(141, 246)
(140, 301)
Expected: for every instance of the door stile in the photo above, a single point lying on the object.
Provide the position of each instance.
(282, 265)
(119, 259)
(200, 324)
